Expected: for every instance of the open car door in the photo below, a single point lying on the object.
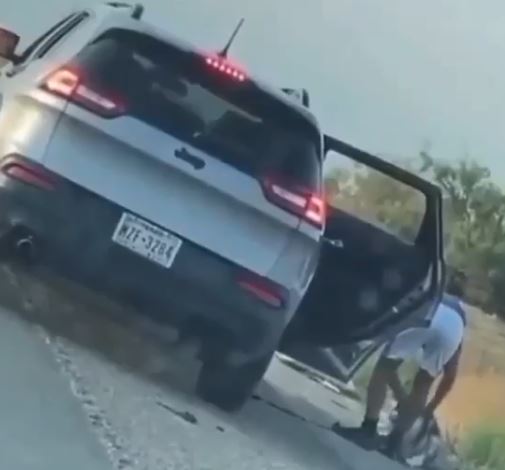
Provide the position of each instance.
(382, 263)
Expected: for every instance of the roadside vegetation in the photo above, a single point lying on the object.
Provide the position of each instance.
(474, 213)
(483, 447)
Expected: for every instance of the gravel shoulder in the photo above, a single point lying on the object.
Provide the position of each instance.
(42, 425)
(115, 395)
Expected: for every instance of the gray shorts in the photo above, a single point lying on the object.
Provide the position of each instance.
(430, 347)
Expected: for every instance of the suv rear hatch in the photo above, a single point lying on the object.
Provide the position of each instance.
(189, 143)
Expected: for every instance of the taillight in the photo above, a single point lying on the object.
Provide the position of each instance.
(262, 288)
(225, 67)
(71, 85)
(306, 204)
(27, 173)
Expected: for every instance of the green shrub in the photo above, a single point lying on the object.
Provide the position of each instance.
(484, 447)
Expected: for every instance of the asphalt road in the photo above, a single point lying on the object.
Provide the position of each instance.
(82, 391)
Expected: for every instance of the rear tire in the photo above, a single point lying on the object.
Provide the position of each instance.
(228, 387)
(7, 245)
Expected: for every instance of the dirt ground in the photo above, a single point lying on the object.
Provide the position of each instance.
(479, 394)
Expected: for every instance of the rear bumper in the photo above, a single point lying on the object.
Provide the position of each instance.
(72, 229)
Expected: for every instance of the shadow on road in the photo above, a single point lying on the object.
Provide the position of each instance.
(121, 337)
(314, 431)
(90, 321)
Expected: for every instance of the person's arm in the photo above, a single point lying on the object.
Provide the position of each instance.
(410, 409)
(447, 381)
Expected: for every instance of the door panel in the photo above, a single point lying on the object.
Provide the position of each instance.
(381, 268)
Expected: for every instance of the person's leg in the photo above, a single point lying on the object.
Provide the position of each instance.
(366, 434)
(416, 401)
(404, 346)
(411, 408)
(377, 391)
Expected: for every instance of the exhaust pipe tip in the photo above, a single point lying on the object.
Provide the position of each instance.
(25, 249)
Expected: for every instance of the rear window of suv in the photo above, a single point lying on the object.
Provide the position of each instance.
(176, 91)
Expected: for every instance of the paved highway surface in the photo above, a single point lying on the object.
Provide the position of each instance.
(81, 391)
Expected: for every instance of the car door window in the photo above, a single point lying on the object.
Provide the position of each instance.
(373, 197)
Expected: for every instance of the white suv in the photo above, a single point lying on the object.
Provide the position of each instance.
(163, 174)
(168, 178)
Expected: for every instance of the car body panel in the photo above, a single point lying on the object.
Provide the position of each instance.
(106, 167)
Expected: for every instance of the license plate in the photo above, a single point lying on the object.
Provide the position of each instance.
(146, 239)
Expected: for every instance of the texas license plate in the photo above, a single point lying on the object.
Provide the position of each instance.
(146, 239)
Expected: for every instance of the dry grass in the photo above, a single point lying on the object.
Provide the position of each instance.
(475, 399)
(483, 448)
(479, 394)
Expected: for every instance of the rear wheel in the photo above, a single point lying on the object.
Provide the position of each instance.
(229, 387)
(8, 240)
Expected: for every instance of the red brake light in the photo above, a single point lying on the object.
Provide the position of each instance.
(261, 288)
(28, 174)
(62, 82)
(315, 211)
(226, 68)
(69, 84)
(309, 206)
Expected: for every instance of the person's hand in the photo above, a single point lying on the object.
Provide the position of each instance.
(408, 414)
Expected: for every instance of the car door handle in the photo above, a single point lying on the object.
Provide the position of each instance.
(334, 242)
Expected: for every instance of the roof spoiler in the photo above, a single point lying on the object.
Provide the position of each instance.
(137, 9)
(301, 95)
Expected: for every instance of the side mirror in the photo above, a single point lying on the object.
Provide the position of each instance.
(8, 44)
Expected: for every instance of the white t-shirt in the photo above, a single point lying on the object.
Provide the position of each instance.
(431, 347)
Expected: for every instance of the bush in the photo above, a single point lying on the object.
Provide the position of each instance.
(484, 447)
